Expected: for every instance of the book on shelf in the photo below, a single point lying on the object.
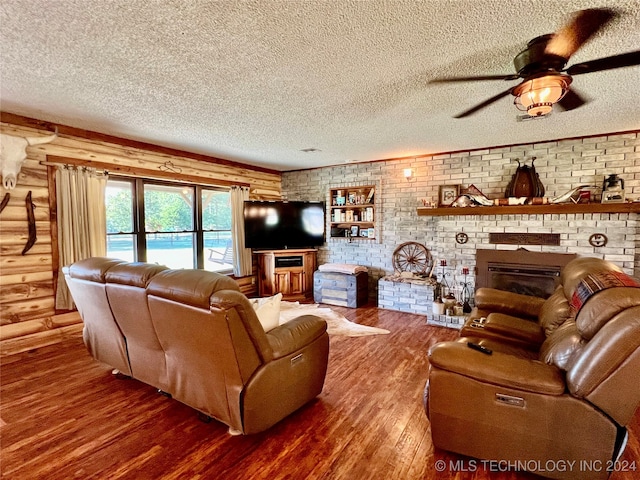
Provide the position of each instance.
(368, 214)
(370, 195)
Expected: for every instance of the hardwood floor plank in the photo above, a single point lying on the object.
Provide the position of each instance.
(64, 415)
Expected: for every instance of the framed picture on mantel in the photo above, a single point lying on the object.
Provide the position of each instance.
(447, 194)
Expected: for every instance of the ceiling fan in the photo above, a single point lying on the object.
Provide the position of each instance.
(541, 66)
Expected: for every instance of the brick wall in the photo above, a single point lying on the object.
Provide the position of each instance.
(561, 165)
(405, 297)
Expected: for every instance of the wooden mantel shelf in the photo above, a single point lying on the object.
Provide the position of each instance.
(626, 207)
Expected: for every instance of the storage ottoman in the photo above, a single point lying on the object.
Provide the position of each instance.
(343, 289)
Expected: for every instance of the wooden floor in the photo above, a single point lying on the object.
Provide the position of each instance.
(65, 416)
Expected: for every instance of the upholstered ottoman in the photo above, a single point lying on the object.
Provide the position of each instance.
(344, 285)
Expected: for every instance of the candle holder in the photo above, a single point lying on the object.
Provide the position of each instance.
(466, 291)
(445, 285)
(448, 297)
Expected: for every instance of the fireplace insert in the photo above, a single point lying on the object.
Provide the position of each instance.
(521, 271)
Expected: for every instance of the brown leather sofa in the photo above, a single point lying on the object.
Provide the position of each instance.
(195, 336)
(559, 411)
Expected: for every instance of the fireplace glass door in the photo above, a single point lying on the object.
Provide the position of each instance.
(526, 280)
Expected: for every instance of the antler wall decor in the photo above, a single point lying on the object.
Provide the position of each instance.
(5, 200)
(31, 220)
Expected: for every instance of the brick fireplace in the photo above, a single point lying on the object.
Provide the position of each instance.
(575, 230)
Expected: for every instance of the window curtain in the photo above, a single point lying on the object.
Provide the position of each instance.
(242, 265)
(82, 224)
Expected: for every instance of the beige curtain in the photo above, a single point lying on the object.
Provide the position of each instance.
(82, 225)
(242, 265)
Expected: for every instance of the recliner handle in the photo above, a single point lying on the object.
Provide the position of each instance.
(510, 400)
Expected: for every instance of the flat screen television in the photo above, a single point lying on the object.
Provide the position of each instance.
(280, 225)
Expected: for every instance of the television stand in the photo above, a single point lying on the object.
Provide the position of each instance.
(289, 272)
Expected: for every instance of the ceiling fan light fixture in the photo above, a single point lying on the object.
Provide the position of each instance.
(537, 95)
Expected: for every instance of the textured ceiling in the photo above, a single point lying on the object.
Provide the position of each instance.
(259, 81)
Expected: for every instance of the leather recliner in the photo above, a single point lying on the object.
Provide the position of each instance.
(566, 408)
(195, 336)
(526, 321)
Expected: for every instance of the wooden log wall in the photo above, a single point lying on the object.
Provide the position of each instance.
(28, 318)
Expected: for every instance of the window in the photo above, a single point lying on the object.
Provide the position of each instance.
(180, 226)
(121, 240)
(216, 228)
(169, 225)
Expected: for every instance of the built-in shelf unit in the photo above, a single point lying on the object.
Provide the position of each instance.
(353, 212)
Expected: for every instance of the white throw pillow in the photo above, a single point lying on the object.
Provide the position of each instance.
(268, 311)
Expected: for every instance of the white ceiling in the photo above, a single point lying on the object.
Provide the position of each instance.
(258, 81)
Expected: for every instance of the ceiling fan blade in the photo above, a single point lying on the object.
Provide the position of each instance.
(475, 78)
(577, 31)
(607, 63)
(571, 100)
(484, 104)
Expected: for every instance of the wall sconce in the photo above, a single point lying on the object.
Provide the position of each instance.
(408, 174)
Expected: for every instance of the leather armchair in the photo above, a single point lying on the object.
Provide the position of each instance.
(526, 321)
(567, 404)
(195, 336)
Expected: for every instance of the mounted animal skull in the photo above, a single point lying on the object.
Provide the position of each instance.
(13, 152)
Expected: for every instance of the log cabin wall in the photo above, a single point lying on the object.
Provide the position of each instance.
(27, 282)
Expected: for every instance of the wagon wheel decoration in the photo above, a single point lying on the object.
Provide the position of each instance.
(412, 257)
